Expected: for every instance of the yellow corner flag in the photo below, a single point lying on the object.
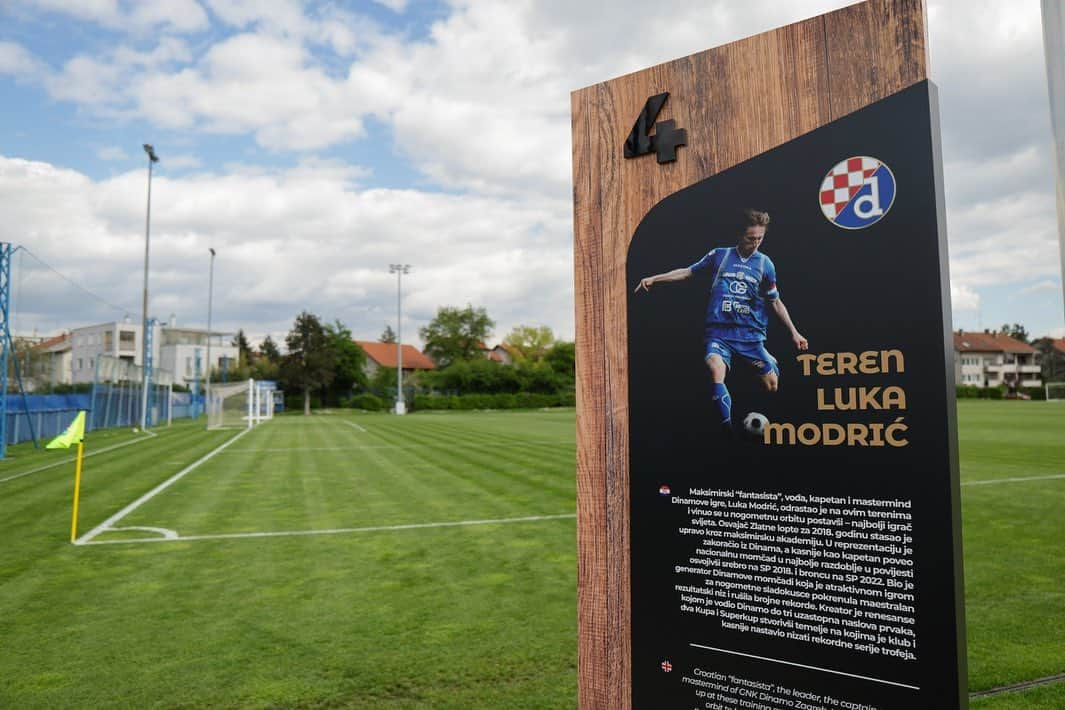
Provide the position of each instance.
(75, 434)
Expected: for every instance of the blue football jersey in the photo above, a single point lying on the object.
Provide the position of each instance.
(740, 293)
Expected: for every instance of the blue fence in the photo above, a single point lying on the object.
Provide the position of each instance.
(110, 405)
(49, 415)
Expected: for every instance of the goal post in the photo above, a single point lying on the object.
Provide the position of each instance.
(240, 404)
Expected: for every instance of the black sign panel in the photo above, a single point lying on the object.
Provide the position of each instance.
(803, 553)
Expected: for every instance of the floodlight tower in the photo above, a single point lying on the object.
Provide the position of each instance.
(399, 270)
(147, 356)
(210, 297)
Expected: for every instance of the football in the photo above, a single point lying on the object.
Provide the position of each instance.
(754, 424)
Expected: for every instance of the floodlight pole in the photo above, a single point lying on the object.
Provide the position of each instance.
(145, 357)
(1053, 44)
(399, 270)
(210, 298)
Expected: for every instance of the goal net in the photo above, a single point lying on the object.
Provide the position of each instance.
(1055, 391)
(239, 405)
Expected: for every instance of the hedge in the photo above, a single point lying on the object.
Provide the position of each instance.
(519, 400)
(369, 402)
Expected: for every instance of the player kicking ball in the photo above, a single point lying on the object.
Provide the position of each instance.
(743, 290)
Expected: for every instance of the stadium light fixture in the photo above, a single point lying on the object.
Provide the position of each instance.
(210, 298)
(399, 270)
(152, 159)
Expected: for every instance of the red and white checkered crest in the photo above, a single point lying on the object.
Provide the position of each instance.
(843, 182)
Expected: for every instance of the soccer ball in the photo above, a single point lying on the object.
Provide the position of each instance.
(754, 424)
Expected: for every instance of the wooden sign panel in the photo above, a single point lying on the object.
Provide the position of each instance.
(767, 495)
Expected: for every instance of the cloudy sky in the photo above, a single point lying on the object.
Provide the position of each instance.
(313, 143)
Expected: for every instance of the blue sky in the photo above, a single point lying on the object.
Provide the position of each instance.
(313, 143)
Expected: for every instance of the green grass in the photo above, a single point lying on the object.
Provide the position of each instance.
(452, 617)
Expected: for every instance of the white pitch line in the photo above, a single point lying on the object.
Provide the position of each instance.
(149, 434)
(354, 425)
(333, 531)
(154, 492)
(1019, 479)
(165, 532)
(803, 665)
(331, 448)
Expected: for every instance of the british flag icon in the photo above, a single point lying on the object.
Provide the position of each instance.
(857, 192)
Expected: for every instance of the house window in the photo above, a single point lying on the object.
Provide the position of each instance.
(127, 340)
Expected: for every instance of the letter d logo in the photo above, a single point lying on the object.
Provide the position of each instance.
(857, 192)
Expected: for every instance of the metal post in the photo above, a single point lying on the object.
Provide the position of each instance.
(5, 303)
(399, 270)
(210, 298)
(1053, 46)
(146, 357)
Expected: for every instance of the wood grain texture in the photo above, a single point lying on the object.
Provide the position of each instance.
(736, 101)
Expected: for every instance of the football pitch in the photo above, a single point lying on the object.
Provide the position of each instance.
(354, 560)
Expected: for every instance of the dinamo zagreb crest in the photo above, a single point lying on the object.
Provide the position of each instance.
(857, 192)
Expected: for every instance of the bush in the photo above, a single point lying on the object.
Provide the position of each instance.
(521, 400)
(973, 392)
(369, 402)
(1038, 393)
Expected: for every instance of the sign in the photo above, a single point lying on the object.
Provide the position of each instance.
(768, 493)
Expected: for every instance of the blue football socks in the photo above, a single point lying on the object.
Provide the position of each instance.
(723, 401)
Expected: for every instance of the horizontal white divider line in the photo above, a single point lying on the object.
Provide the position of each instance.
(335, 531)
(154, 492)
(803, 665)
(353, 425)
(148, 434)
(1018, 479)
(330, 448)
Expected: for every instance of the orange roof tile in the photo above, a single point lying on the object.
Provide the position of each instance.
(52, 343)
(965, 341)
(384, 354)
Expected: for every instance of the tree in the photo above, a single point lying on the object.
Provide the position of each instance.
(311, 360)
(456, 334)
(350, 361)
(529, 342)
(268, 350)
(243, 348)
(387, 335)
(562, 359)
(1016, 330)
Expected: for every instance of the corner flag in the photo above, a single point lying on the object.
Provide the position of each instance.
(74, 434)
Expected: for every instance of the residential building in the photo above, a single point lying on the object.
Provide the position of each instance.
(174, 349)
(181, 347)
(54, 360)
(991, 359)
(380, 355)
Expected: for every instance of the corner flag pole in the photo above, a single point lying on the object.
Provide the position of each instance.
(77, 493)
(75, 434)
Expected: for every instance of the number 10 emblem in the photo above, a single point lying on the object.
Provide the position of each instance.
(857, 192)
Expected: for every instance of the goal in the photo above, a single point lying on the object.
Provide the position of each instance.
(1055, 391)
(239, 405)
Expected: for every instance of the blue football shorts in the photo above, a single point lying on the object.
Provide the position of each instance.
(753, 352)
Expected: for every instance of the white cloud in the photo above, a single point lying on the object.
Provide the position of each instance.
(1045, 286)
(964, 298)
(286, 241)
(16, 61)
(130, 16)
(480, 106)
